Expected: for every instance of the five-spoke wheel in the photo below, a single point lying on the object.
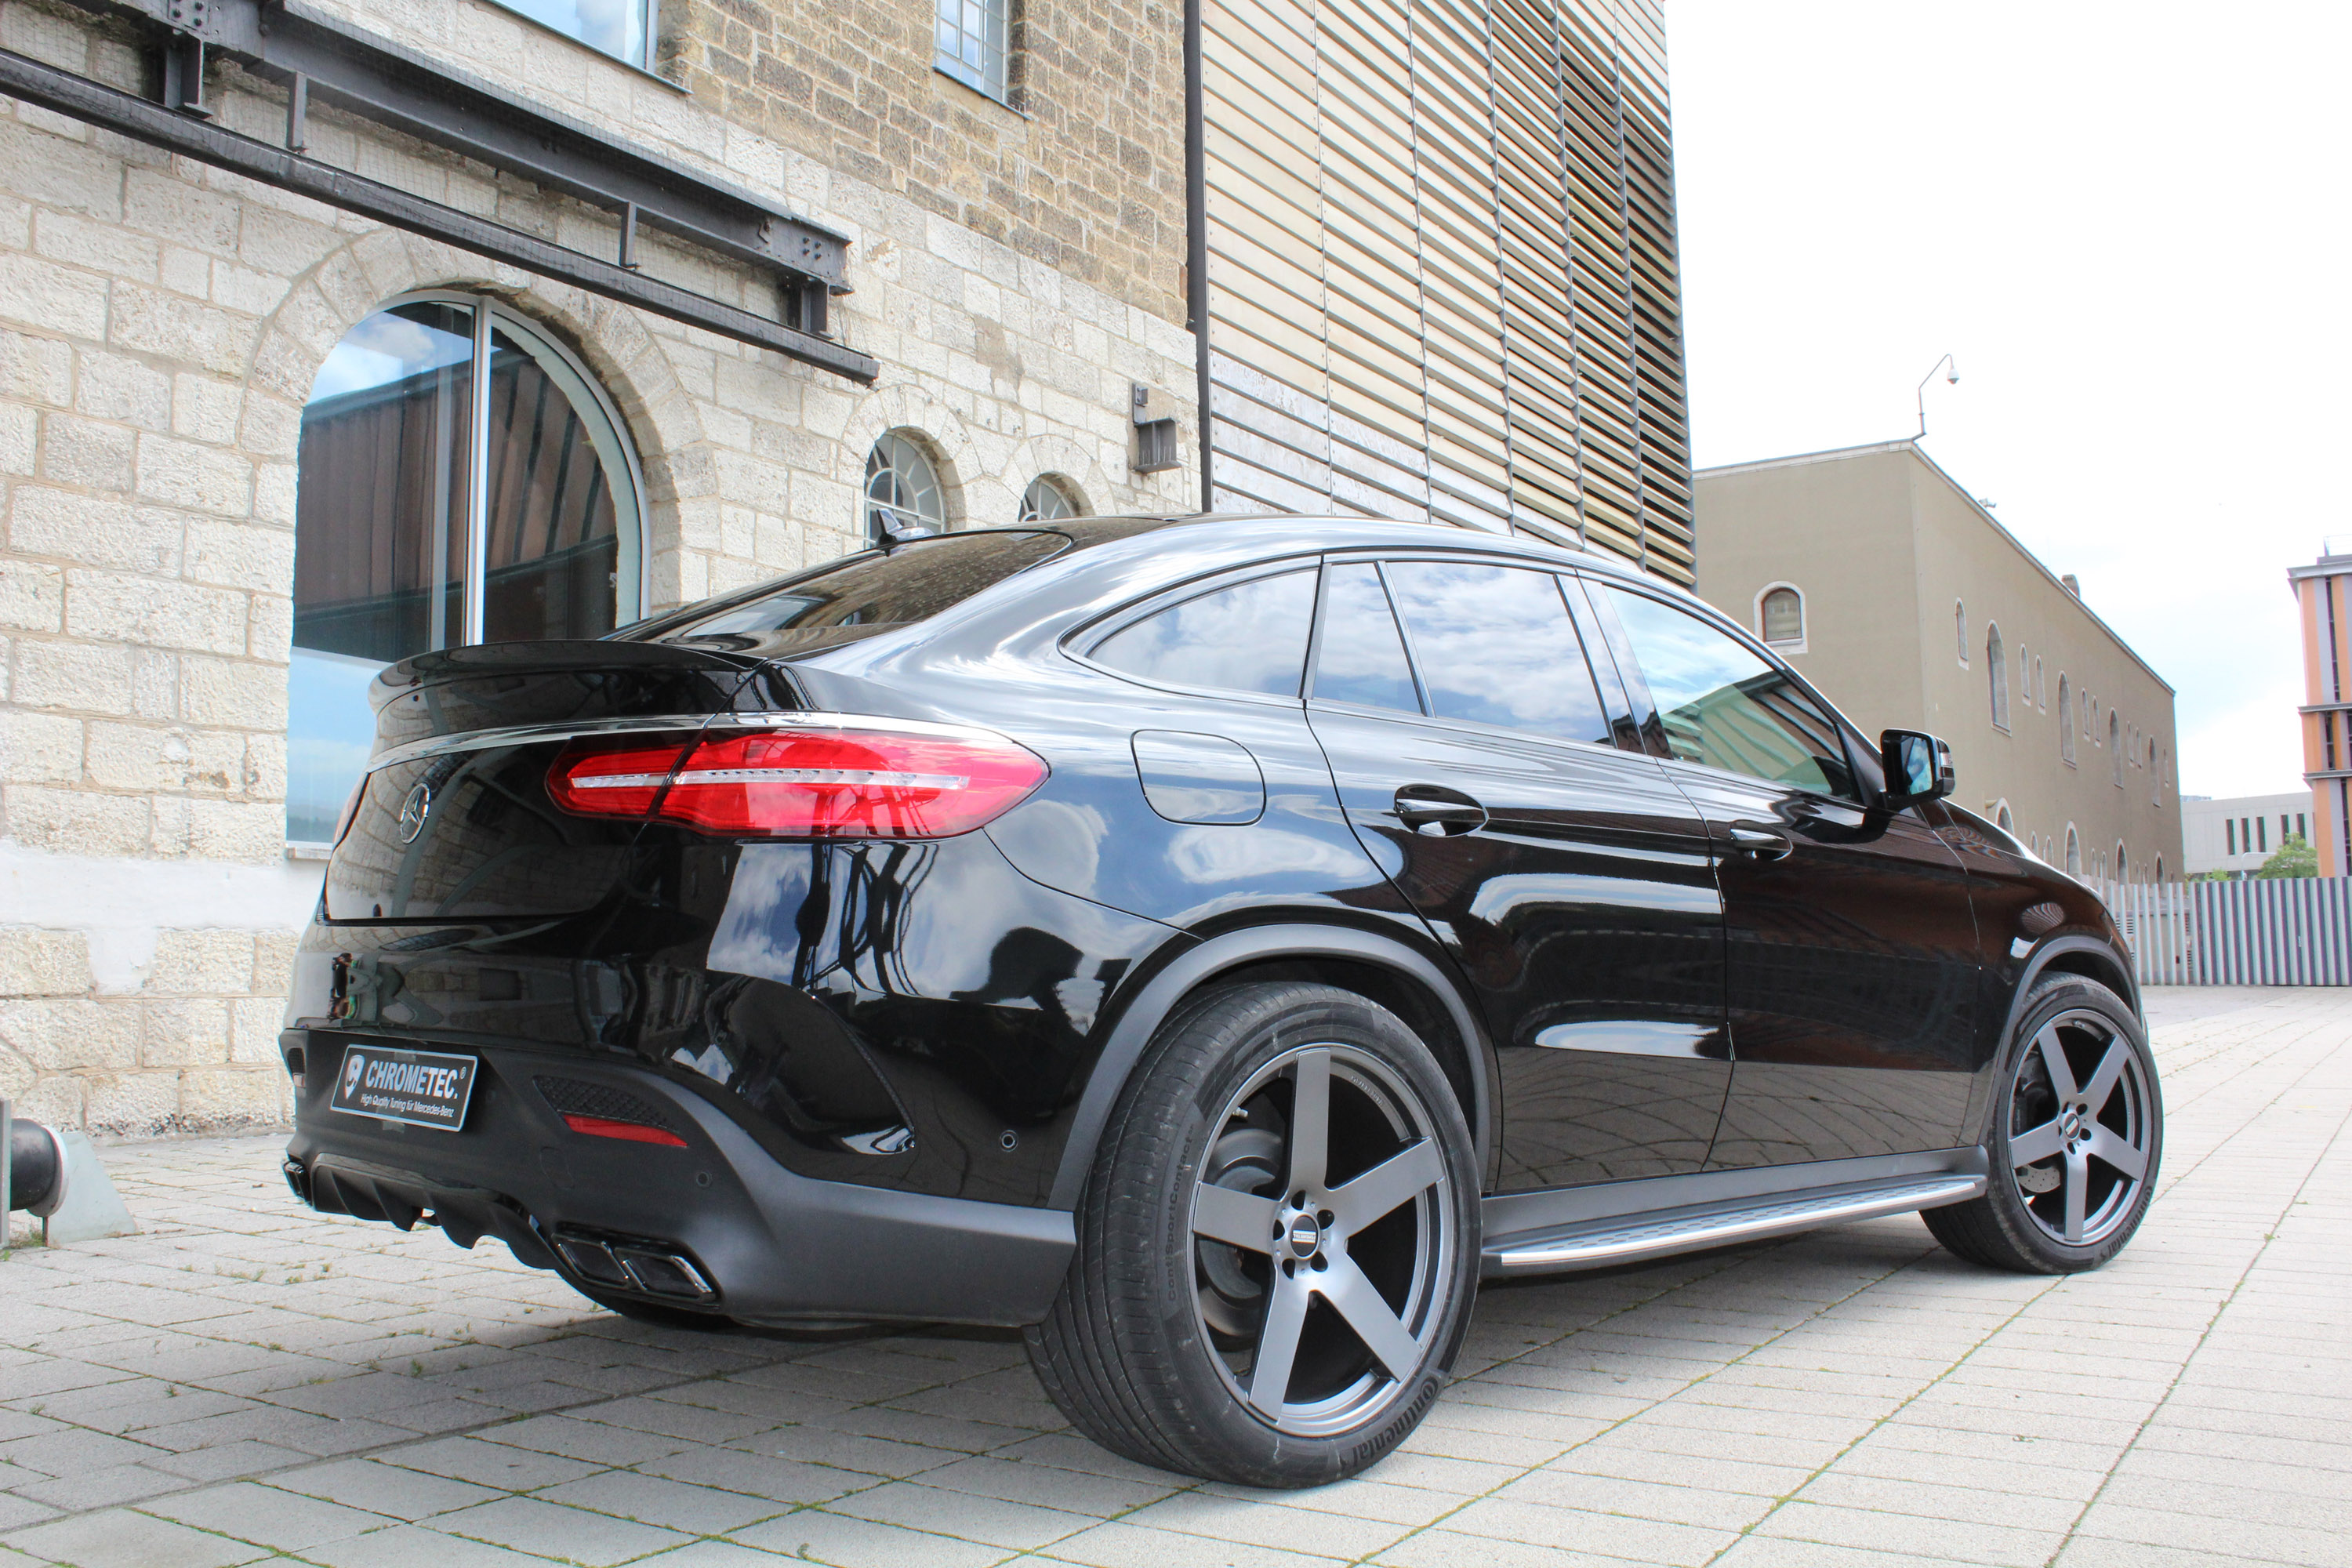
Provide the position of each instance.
(1277, 1248)
(1320, 1235)
(2078, 1127)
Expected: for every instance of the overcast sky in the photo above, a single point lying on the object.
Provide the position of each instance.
(2128, 223)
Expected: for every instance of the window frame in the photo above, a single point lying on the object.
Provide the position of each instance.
(1862, 763)
(1079, 644)
(956, 70)
(914, 440)
(1791, 647)
(2065, 720)
(1996, 675)
(1057, 485)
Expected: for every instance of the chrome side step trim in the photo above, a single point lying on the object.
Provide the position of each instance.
(1598, 1244)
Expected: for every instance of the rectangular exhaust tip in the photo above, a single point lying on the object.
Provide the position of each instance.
(642, 1265)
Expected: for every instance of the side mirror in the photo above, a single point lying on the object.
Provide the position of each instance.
(1918, 767)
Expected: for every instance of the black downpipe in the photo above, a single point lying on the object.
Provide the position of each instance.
(1196, 238)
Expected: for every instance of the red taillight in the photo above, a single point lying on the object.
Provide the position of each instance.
(831, 783)
(621, 782)
(627, 1132)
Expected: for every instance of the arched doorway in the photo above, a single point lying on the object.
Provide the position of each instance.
(463, 478)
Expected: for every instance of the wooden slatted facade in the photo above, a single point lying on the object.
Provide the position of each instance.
(1442, 274)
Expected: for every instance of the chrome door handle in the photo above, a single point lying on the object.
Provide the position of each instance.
(1761, 842)
(1435, 810)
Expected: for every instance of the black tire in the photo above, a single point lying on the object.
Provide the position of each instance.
(2070, 1179)
(1153, 1347)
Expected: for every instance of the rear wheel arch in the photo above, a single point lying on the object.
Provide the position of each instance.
(1378, 968)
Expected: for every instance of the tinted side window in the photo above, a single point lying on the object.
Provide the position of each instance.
(1495, 644)
(1361, 657)
(1251, 637)
(1721, 706)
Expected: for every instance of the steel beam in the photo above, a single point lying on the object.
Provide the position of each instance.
(439, 103)
(126, 114)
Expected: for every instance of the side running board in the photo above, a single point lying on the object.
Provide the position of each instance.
(1599, 1242)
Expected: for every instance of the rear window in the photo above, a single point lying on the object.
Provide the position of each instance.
(911, 582)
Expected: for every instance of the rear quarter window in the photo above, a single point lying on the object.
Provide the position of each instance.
(1250, 637)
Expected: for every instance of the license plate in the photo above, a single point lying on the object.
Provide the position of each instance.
(423, 1088)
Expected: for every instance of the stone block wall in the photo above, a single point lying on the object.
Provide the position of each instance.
(160, 327)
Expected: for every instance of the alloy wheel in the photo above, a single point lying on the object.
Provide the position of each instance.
(2080, 1125)
(1321, 1237)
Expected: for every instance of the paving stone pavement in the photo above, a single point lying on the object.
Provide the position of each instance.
(245, 1382)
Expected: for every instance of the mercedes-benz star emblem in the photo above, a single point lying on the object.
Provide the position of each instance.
(412, 812)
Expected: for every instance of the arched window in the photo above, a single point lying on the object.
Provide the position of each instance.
(401, 546)
(1960, 629)
(2159, 868)
(1781, 618)
(2003, 820)
(2115, 745)
(2065, 720)
(2040, 686)
(2123, 862)
(1049, 496)
(2155, 777)
(1997, 672)
(2074, 851)
(903, 498)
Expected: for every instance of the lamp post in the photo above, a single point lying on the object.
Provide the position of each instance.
(1951, 374)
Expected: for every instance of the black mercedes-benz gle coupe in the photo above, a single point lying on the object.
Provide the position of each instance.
(1211, 946)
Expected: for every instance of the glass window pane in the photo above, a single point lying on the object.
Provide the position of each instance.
(1361, 659)
(971, 42)
(379, 536)
(1720, 705)
(1249, 637)
(902, 490)
(912, 582)
(554, 548)
(1495, 646)
(1782, 619)
(616, 27)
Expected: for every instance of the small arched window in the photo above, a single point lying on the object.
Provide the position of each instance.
(2115, 745)
(2074, 851)
(2002, 819)
(1781, 618)
(2065, 719)
(1997, 673)
(2040, 686)
(2154, 778)
(2159, 868)
(1960, 629)
(1048, 497)
(903, 497)
(2123, 862)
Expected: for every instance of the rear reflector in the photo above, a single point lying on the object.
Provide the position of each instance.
(805, 783)
(627, 1131)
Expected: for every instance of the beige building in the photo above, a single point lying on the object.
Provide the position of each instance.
(1888, 586)
(2323, 592)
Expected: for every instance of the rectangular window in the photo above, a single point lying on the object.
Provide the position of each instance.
(2302, 831)
(2262, 833)
(621, 28)
(973, 43)
(2229, 832)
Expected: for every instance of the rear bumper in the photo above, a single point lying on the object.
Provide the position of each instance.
(757, 1242)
